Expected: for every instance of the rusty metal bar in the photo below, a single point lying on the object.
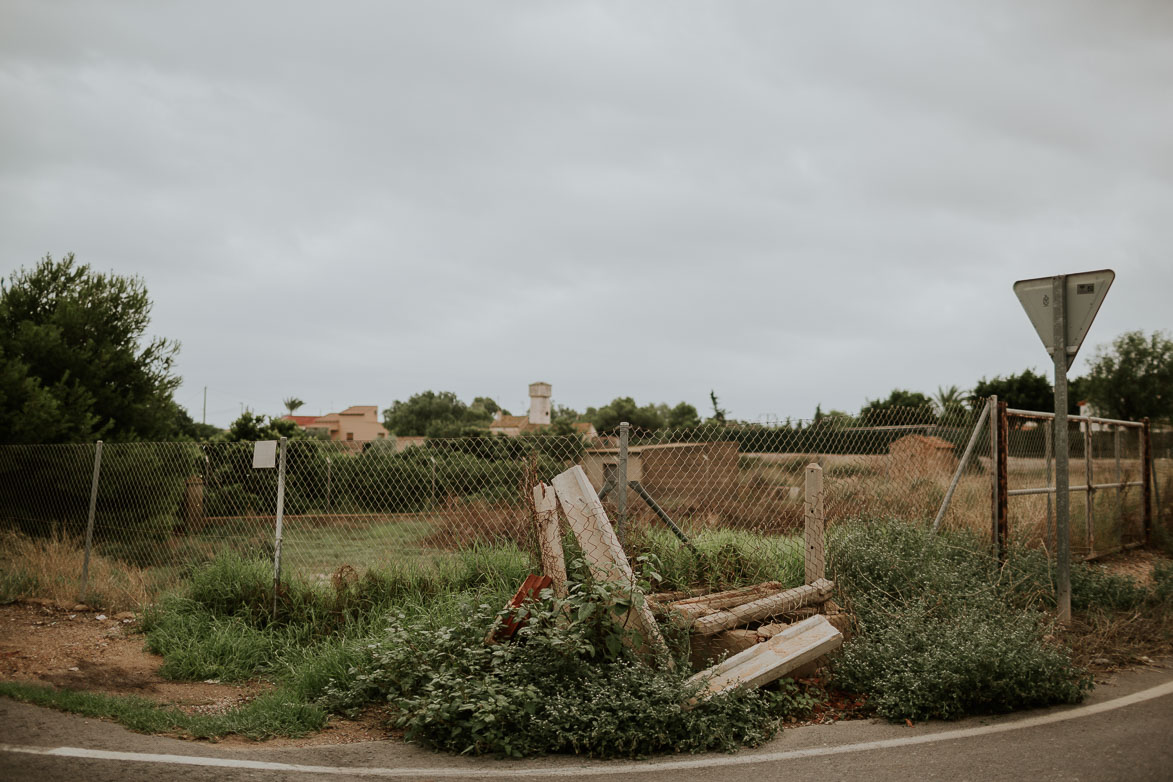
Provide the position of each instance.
(1147, 469)
(1051, 489)
(1003, 520)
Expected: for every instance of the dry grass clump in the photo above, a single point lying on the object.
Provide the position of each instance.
(1104, 639)
(51, 568)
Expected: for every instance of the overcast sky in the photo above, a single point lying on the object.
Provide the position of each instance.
(790, 203)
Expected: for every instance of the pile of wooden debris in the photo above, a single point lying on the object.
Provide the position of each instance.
(768, 631)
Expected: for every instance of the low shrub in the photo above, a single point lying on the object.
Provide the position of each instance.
(941, 634)
(569, 682)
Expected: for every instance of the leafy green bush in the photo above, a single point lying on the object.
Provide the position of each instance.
(1163, 583)
(567, 683)
(942, 635)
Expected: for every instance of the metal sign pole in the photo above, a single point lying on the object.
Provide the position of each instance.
(1062, 517)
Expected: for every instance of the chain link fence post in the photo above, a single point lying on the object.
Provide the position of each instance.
(280, 519)
(85, 565)
(621, 482)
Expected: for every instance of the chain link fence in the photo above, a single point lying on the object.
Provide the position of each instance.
(716, 491)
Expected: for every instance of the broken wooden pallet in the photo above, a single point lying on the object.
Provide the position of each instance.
(696, 607)
(763, 663)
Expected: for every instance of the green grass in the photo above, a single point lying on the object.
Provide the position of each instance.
(313, 550)
(721, 559)
(275, 713)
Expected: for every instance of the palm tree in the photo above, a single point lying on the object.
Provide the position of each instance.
(292, 403)
(950, 402)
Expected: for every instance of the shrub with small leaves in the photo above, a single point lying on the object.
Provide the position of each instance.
(943, 631)
(569, 682)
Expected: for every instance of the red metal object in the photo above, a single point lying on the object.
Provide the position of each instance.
(530, 589)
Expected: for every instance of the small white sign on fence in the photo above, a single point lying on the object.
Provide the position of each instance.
(265, 454)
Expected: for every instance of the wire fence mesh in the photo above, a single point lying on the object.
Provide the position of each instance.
(164, 508)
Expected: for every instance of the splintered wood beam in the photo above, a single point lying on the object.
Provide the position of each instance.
(550, 537)
(530, 589)
(604, 554)
(763, 607)
(696, 607)
(762, 663)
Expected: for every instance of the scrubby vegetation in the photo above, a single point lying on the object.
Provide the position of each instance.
(945, 632)
(569, 682)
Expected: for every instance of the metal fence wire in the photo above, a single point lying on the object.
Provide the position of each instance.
(170, 506)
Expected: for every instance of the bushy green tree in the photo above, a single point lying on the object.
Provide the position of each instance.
(683, 416)
(1133, 378)
(76, 364)
(437, 414)
(623, 409)
(901, 407)
(251, 427)
(1027, 390)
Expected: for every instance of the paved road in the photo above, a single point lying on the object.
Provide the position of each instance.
(1123, 732)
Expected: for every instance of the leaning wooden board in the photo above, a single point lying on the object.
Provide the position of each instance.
(604, 554)
(763, 663)
(550, 537)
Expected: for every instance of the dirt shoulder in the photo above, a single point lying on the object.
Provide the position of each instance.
(42, 642)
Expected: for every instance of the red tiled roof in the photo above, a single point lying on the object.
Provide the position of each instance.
(301, 420)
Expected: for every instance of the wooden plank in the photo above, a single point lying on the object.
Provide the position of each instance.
(759, 609)
(813, 528)
(696, 607)
(761, 664)
(706, 648)
(605, 556)
(550, 537)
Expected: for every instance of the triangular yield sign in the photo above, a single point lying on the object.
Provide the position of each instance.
(1085, 294)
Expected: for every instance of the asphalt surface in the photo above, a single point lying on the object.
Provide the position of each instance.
(1114, 735)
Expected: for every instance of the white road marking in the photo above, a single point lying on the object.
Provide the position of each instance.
(603, 767)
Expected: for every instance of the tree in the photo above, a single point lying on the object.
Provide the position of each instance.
(435, 414)
(719, 413)
(683, 416)
(950, 403)
(901, 407)
(251, 427)
(292, 403)
(623, 409)
(486, 405)
(1025, 391)
(1133, 379)
(75, 364)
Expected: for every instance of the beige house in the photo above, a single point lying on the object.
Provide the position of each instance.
(538, 417)
(359, 423)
